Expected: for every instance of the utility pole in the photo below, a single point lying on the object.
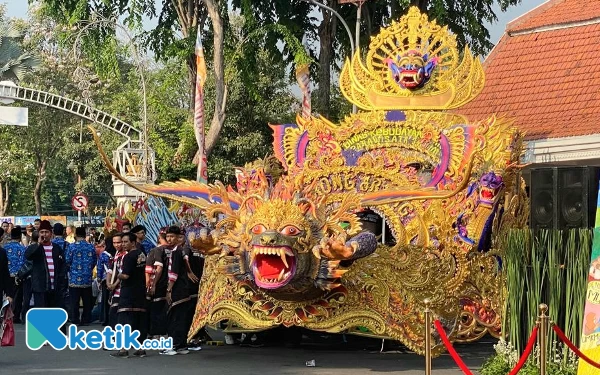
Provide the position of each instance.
(358, 18)
(78, 174)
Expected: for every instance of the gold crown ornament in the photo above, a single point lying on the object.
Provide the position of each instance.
(414, 64)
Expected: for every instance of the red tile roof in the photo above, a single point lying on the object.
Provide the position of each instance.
(556, 12)
(547, 80)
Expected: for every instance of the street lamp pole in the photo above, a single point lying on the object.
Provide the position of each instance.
(339, 17)
(358, 16)
(139, 62)
(350, 36)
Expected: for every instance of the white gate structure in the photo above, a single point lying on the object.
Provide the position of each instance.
(133, 158)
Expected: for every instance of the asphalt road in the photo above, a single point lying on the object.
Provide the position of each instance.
(361, 358)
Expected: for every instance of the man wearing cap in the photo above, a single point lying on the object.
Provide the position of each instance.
(81, 260)
(142, 241)
(48, 271)
(15, 252)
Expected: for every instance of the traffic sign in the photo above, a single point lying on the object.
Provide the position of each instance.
(79, 202)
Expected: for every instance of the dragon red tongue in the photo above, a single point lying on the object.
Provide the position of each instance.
(269, 266)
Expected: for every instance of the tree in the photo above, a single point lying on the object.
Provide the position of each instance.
(176, 16)
(14, 62)
(43, 160)
(329, 40)
(245, 134)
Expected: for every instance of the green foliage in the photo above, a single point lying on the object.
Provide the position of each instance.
(171, 132)
(548, 267)
(504, 360)
(14, 62)
(246, 135)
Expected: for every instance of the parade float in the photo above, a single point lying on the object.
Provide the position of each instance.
(288, 246)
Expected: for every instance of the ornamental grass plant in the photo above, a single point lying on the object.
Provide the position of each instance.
(545, 266)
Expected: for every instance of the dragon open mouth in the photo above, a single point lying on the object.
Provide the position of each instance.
(273, 266)
(488, 194)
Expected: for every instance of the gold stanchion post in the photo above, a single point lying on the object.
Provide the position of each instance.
(427, 337)
(543, 337)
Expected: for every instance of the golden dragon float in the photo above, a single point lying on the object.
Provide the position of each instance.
(292, 245)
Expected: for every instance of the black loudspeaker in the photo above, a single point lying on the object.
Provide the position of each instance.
(563, 197)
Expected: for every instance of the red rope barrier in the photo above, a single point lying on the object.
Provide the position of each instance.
(465, 369)
(561, 335)
(526, 353)
(450, 348)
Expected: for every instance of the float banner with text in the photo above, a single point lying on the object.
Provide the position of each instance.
(590, 339)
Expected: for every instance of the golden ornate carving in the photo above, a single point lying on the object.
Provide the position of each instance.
(288, 248)
(414, 40)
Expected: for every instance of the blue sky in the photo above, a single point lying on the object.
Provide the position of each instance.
(18, 8)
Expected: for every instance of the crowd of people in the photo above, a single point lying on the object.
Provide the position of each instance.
(120, 279)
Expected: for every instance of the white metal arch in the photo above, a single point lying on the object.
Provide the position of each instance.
(132, 158)
(72, 106)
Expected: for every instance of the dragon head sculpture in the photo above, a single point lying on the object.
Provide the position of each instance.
(284, 239)
(490, 184)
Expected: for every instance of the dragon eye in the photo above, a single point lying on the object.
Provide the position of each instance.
(290, 230)
(258, 229)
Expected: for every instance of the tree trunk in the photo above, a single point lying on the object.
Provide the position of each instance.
(326, 55)
(4, 197)
(218, 65)
(37, 190)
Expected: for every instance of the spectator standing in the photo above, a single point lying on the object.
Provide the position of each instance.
(15, 251)
(59, 231)
(6, 283)
(70, 233)
(27, 281)
(156, 288)
(126, 227)
(36, 225)
(81, 260)
(5, 233)
(48, 272)
(102, 268)
(140, 233)
(132, 304)
(178, 296)
(113, 284)
(27, 236)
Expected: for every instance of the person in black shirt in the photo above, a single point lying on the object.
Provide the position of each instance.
(195, 265)
(132, 303)
(156, 288)
(6, 282)
(178, 295)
